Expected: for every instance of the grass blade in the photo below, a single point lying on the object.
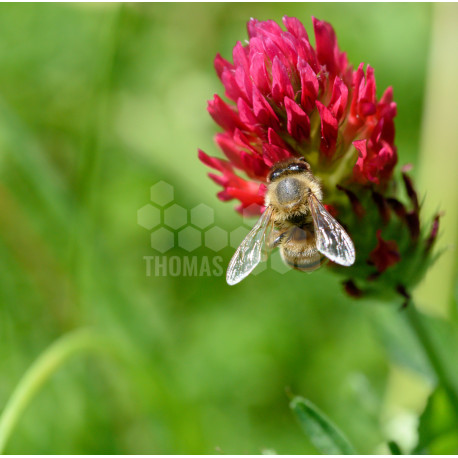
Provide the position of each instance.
(323, 434)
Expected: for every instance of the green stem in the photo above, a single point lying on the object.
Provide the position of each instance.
(431, 352)
(40, 371)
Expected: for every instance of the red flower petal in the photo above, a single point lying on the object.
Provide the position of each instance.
(295, 27)
(298, 123)
(247, 196)
(245, 140)
(231, 150)
(367, 94)
(220, 64)
(274, 139)
(254, 166)
(281, 84)
(257, 47)
(244, 83)
(306, 53)
(338, 104)
(252, 27)
(219, 164)
(275, 48)
(246, 114)
(357, 82)
(386, 159)
(309, 85)
(326, 45)
(232, 90)
(259, 73)
(363, 102)
(329, 129)
(269, 26)
(263, 111)
(364, 169)
(387, 110)
(273, 154)
(248, 192)
(223, 114)
(385, 254)
(240, 57)
(236, 150)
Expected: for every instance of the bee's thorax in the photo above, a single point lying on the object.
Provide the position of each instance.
(289, 191)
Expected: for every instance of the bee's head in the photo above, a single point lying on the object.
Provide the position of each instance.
(288, 167)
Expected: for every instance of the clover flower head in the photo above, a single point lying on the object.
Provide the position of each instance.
(286, 98)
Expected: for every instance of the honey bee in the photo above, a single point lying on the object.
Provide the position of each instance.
(294, 220)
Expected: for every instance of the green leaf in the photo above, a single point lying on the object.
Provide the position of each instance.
(400, 342)
(394, 448)
(323, 434)
(411, 338)
(437, 427)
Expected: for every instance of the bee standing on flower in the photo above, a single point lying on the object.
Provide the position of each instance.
(296, 221)
(292, 108)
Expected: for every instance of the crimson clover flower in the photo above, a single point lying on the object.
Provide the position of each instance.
(289, 99)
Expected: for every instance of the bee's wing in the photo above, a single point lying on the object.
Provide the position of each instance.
(251, 251)
(331, 238)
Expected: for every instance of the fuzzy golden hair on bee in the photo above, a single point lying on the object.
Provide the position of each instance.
(289, 185)
(296, 222)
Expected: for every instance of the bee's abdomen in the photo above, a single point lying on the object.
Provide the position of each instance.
(305, 263)
(298, 249)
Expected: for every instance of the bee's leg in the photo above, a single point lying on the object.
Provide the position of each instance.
(275, 237)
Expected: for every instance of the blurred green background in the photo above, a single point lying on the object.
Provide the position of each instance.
(99, 102)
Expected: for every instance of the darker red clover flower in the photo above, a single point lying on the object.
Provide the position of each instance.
(291, 100)
(286, 99)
